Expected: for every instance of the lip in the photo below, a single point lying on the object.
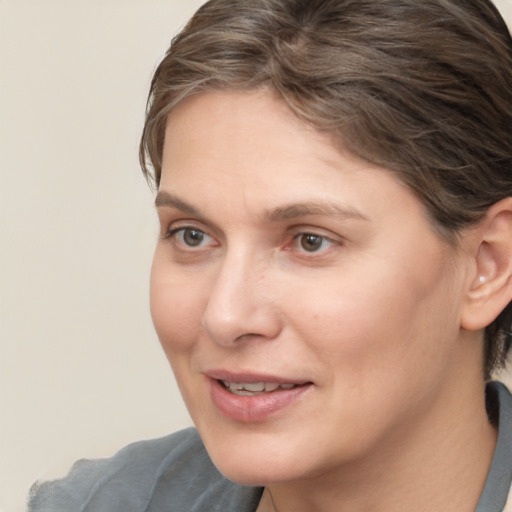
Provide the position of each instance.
(256, 408)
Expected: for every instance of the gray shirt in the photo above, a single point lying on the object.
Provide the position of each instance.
(175, 474)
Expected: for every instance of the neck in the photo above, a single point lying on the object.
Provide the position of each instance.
(428, 465)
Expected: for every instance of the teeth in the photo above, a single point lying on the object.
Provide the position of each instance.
(255, 387)
(252, 388)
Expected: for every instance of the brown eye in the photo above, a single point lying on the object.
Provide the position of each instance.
(310, 242)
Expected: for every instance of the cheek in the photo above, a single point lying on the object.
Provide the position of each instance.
(176, 307)
(389, 320)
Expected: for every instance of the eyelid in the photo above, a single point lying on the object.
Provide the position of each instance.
(316, 231)
(176, 236)
(169, 226)
(181, 229)
(332, 240)
(169, 216)
(325, 239)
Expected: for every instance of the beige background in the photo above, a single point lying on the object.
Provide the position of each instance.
(81, 371)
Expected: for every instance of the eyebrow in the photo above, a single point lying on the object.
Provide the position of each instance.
(295, 210)
(164, 199)
(287, 212)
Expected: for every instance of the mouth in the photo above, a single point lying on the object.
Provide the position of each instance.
(256, 388)
(251, 398)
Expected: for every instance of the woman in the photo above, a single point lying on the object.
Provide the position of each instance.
(333, 277)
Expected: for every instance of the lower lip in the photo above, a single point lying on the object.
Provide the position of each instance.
(256, 408)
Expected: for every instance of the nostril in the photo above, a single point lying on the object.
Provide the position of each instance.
(248, 335)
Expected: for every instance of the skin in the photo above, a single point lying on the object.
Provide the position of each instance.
(368, 311)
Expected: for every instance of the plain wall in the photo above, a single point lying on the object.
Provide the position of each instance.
(81, 371)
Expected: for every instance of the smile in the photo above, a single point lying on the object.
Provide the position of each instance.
(255, 388)
(254, 400)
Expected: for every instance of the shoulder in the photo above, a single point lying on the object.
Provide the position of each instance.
(497, 493)
(170, 473)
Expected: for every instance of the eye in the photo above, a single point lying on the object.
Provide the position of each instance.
(190, 237)
(310, 242)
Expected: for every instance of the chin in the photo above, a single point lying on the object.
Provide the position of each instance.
(248, 474)
(259, 460)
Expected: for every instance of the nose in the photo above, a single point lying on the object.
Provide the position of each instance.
(241, 304)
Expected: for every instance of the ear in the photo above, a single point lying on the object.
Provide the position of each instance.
(491, 285)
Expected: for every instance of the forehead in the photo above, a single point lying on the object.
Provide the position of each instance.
(256, 115)
(239, 130)
(228, 150)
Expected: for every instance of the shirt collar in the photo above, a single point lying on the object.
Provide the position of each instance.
(499, 479)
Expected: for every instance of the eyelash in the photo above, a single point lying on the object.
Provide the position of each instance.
(183, 230)
(297, 242)
(300, 238)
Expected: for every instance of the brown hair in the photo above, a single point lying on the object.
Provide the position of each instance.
(422, 88)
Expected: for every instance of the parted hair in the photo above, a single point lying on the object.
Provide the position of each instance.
(420, 87)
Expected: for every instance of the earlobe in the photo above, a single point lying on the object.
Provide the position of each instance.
(491, 286)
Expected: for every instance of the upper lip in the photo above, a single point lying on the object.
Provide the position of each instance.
(251, 378)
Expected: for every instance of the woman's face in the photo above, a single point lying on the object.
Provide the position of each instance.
(308, 309)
